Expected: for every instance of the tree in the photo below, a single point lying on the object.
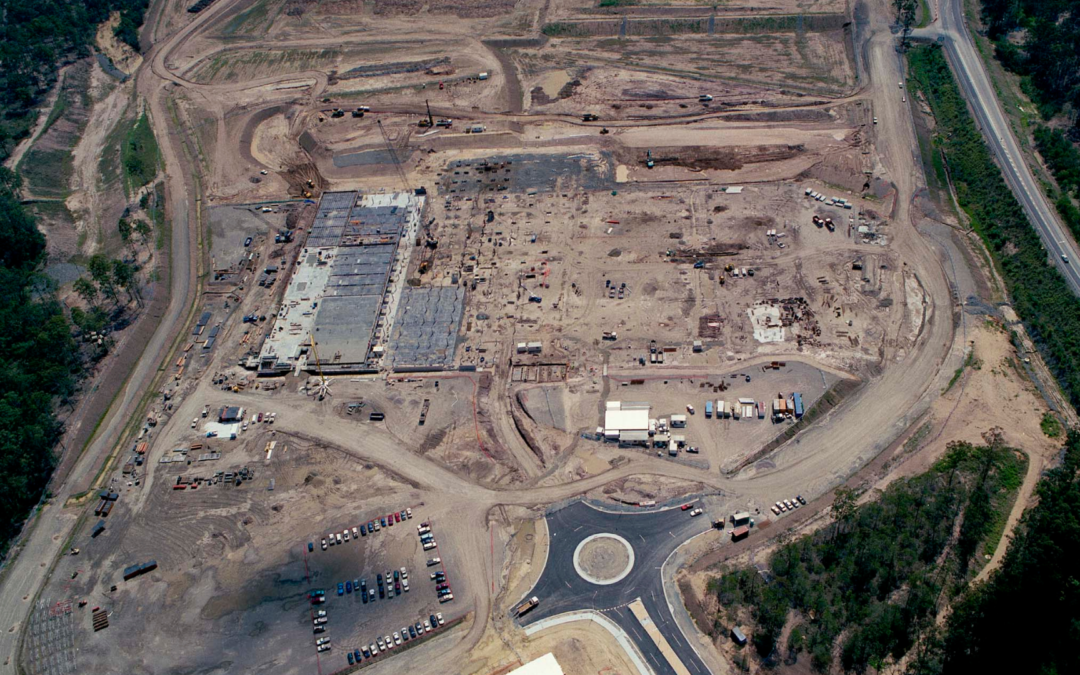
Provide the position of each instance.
(123, 275)
(124, 228)
(86, 290)
(101, 271)
(144, 231)
(843, 507)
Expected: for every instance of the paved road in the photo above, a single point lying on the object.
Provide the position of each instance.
(653, 536)
(976, 87)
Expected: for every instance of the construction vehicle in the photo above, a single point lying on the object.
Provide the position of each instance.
(527, 606)
(445, 123)
(324, 384)
(590, 117)
(705, 98)
(428, 122)
(649, 163)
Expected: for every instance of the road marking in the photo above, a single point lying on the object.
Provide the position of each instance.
(639, 611)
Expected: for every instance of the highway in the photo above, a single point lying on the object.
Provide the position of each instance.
(976, 87)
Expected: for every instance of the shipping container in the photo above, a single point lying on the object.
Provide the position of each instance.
(142, 568)
(797, 404)
(708, 409)
(739, 532)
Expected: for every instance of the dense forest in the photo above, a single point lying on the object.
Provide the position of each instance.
(874, 578)
(1064, 161)
(1033, 599)
(38, 361)
(1047, 53)
(1038, 292)
(36, 38)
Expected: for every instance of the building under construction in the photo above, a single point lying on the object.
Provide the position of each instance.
(345, 287)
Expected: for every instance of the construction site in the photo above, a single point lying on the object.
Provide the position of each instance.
(465, 275)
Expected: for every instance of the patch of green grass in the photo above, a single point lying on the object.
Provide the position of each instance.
(248, 20)
(968, 363)
(1051, 425)
(139, 155)
(47, 172)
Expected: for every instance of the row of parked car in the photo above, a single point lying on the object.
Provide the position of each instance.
(786, 505)
(370, 527)
(386, 587)
(388, 642)
(442, 587)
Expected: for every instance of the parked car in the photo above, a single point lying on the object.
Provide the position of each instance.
(345, 535)
(412, 631)
(338, 536)
(408, 512)
(355, 533)
(324, 544)
(348, 587)
(323, 648)
(351, 659)
(439, 616)
(356, 655)
(419, 628)
(247, 242)
(801, 500)
(310, 546)
(438, 576)
(440, 587)
(687, 507)
(340, 588)
(433, 561)
(318, 629)
(382, 521)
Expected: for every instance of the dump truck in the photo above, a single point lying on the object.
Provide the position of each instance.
(527, 606)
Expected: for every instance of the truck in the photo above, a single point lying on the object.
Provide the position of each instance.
(610, 335)
(527, 606)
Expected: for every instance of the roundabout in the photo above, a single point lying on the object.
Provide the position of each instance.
(603, 559)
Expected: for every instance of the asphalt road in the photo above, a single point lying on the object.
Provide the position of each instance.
(975, 85)
(653, 536)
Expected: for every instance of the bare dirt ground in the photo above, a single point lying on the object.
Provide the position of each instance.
(533, 202)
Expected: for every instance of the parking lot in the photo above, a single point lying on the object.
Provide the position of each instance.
(377, 590)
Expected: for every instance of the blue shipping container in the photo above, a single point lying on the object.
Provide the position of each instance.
(797, 398)
(708, 408)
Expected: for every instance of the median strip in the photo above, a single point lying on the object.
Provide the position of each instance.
(638, 608)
